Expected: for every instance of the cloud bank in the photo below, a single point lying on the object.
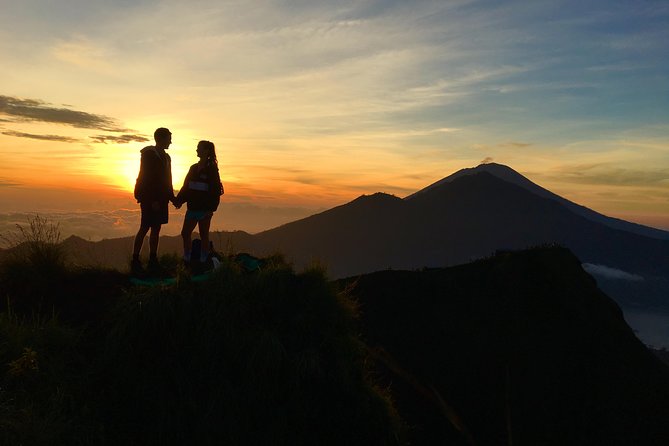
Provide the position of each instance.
(40, 137)
(123, 139)
(607, 272)
(102, 224)
(37, 110)
(8, 183)
(18, 110)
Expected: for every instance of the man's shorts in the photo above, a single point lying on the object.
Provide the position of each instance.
(198, 215)
(151, 217)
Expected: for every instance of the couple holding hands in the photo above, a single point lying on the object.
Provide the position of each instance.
(201, 192)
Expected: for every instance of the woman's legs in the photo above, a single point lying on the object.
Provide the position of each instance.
(186, 232)
(203, 226)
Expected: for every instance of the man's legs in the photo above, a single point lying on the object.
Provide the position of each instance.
(139, 240)
(153, 217)
(154, 238)
(136, 264)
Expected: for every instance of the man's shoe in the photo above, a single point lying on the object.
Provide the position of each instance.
(136, 267)
(154, 267)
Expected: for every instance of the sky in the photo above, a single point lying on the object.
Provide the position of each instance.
(314, 103)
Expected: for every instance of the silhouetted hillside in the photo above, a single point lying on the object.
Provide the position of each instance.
(454, 222)
(663, 354)
(521, 349)
(241, 359)
(509, 175)
(481, 211)
(360, 236)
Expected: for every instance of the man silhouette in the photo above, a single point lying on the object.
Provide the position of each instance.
(153, 191)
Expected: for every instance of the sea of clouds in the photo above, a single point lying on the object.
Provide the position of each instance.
(98, 225)
(607, 272)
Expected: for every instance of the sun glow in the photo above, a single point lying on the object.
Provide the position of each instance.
(122, 170)
(126, 174)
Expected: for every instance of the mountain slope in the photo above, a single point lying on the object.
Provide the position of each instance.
(349, 238)
(520, 348)
(488, 213)
(509, 175)
(454, 222)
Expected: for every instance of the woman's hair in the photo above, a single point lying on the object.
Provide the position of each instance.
(211, 150)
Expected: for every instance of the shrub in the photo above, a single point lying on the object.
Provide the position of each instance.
(32, 264)
(37, 245)
(267, 358)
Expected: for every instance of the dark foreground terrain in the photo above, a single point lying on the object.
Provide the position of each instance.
(521, 348)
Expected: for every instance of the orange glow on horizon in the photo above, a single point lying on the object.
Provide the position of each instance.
(126, 175)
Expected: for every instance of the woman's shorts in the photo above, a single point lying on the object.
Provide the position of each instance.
(198, 215)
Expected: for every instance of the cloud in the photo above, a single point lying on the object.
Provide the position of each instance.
(516, 144)
(40, 111)
(8, 183)
(602, 173)
(486, 160)
(94, 225)
(85, 54)
(607, 272)
(98, 225)
(123, 139)
(40, 137)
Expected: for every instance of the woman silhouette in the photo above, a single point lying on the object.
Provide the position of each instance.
(201, 191)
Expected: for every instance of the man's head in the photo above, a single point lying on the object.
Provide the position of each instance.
(163, 137)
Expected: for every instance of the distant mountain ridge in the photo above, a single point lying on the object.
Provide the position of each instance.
(469, 216)
(508, 174)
